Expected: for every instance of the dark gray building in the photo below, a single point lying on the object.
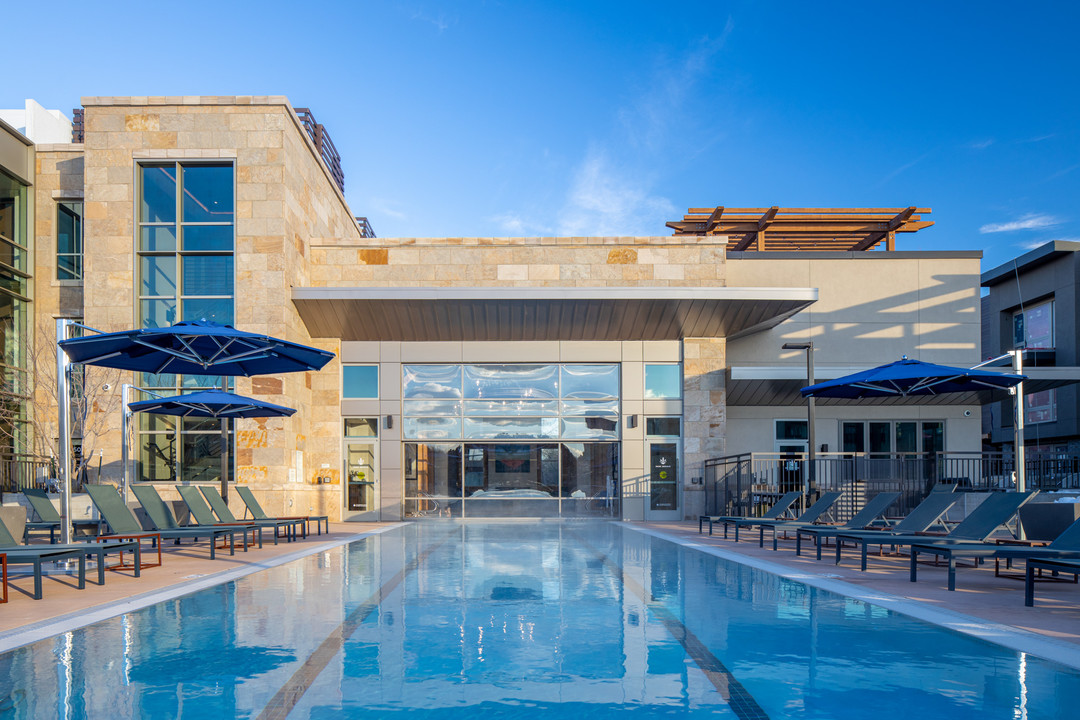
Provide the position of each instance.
(1032, 305)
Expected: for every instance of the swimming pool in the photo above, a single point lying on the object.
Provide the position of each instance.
(514, 620)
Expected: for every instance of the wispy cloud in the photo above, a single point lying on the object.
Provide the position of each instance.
(440, 21)
(980, 144)
(1032, 244)
(1030, 221)
(514, 225)
(1037, 138)
(903, 168)
(1061, 173)
(382, 206)
(607, 200)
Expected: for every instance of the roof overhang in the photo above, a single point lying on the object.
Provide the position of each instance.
(780, 385)
(544, 313)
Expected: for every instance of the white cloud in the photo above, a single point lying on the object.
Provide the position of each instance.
(1032, 244)
(605, 200)
(1030, 221)
(981, 144)
(513, 225)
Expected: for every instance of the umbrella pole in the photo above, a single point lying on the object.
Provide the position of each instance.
(224, 448)
(63, 409)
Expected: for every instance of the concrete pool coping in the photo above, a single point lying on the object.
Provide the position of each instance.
(1057, 650)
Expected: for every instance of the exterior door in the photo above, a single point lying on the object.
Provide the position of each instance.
(663, 457)
(361, 481)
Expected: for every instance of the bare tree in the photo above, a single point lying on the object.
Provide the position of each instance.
(95, 407)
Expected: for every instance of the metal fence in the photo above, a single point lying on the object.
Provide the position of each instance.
(323, 144)
(18, 472)
(748, 484)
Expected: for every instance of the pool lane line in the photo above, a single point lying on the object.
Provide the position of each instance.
(285, 699)
(731, 690)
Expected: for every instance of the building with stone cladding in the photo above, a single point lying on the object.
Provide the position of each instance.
(524, 377)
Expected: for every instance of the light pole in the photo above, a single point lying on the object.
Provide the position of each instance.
(811, 473)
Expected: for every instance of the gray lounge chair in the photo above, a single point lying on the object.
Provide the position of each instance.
(162, 518)
(256, 511)
(122, 522)
(204, 516)
(1065, 546)
(221, 509)
(782, 507)
(35, 555)
(871, 511)
(923, 517)
(810, 516)
(1058, 566)
(996, 510)
(48, 518)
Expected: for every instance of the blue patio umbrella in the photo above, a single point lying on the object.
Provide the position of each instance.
(195, 348)
(211, 404)
(911, 377)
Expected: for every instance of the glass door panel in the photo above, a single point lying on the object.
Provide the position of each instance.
(361, 481)
(663, 476)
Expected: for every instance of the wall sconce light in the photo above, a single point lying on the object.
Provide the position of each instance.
(631, 421)
(388, 422)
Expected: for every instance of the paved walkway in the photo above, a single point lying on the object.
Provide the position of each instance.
(978, 592)
(187, 564)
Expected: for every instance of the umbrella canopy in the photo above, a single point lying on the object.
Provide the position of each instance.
(195, 348)
(911, 377)
(211, 404)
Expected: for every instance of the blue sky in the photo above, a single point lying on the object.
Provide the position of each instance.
(602, 118)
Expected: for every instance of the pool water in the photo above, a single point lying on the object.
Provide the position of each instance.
(514, 620)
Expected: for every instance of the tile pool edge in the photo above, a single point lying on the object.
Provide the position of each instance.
(29, 634)
(1013, 638)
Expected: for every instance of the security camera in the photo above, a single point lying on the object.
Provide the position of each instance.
(967, 413)
(108, 387)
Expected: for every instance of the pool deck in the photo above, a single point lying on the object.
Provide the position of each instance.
(979, 594)
(187, 568)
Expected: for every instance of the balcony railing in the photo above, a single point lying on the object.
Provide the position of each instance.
(18, 472)
(324, 145)
(365, 227)
(746, 484)
(78, 126)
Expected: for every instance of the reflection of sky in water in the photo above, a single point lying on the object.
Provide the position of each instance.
(522, 620)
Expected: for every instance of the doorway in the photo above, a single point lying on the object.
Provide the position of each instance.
(361, 477)
(663, 453)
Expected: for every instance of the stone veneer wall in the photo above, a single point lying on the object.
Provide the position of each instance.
(284, 197)
(521, 262)
(704, 415)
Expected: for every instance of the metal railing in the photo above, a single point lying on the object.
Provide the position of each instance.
(365, 227)
(747, 484)
(324, 145)
(19, 471)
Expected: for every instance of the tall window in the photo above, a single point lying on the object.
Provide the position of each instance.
(184, 247)
(14, 336)
(1033, 327)
(69, 241)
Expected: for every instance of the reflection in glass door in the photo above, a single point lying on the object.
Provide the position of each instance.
(361, 469)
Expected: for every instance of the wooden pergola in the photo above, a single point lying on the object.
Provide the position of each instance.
(776, 228)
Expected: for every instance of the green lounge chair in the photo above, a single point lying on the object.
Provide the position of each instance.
(1058, 566)
(204, 516)
(162, 518)
(122, 521)
(221, 509)
(782, 507)
(810, 516)
(256, 510)
(37, 554)
(870, 512)
(1065, 546)
(48, 518)
(923, 517)
(996, 510)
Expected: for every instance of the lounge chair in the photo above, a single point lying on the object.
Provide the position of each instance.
(870, 512)
(782, 507)
(221, 509)
(256, 511)
(1058, 566)
(1065, 546)
(162, 518)
(996, 510)
(204, 516)
(3, 568)
(810, 516)
(48, 518)
(122, 522)
(37, 554)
